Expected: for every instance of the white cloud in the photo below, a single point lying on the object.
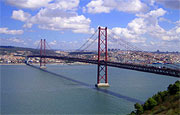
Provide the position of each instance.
(32, 4)
(154, 13)
(65, 45)
(162, 19)
(105, 6)
(65, 4)
(151, 2)
(53, 42)
(152, 43)
(36, 43)
(16, 40)
(13, 32)
(137, 26)
(128, 35)
(27, 25)
(58, 16)
(147, 25)
(178, 30)
(97, 6)
(76, 23)
(20, 15)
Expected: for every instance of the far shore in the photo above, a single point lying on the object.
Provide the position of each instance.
(13, 64)
(47, 64)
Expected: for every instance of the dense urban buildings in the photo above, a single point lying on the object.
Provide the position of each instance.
(138, 57)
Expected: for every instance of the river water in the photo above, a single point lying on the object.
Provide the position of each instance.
(69, 89)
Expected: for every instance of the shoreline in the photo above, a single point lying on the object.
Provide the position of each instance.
(14, 64)
(50, 64)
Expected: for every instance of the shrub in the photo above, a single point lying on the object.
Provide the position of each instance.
(146, 106)
(139, 108)
(157, 97)
(163, 94)
(132, 113)
(152, 103)
(149, 104)
(175, 88)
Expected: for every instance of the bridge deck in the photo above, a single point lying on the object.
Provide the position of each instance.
(143, 68)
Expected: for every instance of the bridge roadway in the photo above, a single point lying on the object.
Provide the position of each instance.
(143, 68)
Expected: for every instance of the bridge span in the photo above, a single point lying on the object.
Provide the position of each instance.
(137, 67)
(102, 59)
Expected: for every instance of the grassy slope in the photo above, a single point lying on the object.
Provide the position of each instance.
(170, 106)
(162, 103)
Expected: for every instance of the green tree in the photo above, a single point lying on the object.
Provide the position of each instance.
(160, 98)
(170, 88)
(139, 108)
(152, 103)
(149, 104)
(133, 113)
(175, 88)
(146, 105)
(157, 97)
(163, 94)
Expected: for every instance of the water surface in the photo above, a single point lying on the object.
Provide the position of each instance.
(25, 89)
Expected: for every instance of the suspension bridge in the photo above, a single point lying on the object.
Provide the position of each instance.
(102, 58)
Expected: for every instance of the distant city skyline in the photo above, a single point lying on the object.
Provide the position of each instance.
(66, 24)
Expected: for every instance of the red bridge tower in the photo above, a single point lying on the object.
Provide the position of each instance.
(102, 79)
(43, 53)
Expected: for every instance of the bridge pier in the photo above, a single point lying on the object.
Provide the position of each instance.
(43, 67)
(42, 63)
(26, 60)
(102, 85)
(43, 54)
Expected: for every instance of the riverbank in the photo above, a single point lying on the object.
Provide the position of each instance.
(14, 64)
(76, 63)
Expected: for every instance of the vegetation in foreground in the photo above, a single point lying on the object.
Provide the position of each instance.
(165, 102)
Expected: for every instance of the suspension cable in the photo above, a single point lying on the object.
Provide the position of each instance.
(89, 45)
(48, 46)
(127, 44)
(86, 41)
(38, 45)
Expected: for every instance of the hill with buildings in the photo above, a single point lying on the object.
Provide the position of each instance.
(12, 54)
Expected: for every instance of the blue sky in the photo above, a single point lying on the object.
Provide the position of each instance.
(67, 24)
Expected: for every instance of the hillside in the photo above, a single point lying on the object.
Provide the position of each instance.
(166, 102)
(6, 50)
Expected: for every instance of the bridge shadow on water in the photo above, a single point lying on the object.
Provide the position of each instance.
(106, 91)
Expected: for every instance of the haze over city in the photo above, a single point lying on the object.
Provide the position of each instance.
(66, 24)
